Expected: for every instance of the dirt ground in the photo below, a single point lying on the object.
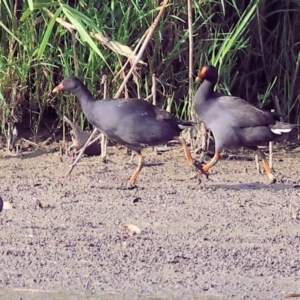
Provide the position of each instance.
(234, 238)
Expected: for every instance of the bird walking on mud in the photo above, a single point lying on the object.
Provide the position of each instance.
(134, 123)
(234, 122)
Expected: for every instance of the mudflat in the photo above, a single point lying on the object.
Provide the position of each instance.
(234, 237)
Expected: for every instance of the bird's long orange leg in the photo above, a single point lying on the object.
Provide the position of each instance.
(186, 150)
(133, 178)
(204, 169)
(266, 166)
(213, 161)
(192, 162)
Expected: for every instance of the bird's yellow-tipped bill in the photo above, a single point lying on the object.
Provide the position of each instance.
(58, 88)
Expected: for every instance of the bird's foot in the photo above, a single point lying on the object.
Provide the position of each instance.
(131, 185)
(272, 179)
(198, 166)
(103, 159)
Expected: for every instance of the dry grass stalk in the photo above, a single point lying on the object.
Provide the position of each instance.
(191, 64)
(103, 135)
(143, 47)
(116, 47)
(153, 89)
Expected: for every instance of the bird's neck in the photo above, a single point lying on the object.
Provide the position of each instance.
(207, 88)
(84, 96)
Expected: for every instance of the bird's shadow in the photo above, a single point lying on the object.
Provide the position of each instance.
(257, 186)
(26, 154)
(153, 164)
(146, 165)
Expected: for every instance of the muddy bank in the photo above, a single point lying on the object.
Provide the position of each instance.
(237, 238)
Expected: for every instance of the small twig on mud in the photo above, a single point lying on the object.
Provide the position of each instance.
(237, 157)
(86, 286)
(88, 142)
(293, 211)
(292, 295)
(29, 142)
(34, 291)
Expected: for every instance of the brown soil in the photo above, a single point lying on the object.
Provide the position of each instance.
(235, 238)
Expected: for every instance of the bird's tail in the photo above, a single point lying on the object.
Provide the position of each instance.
(186, 124)
(282, 127)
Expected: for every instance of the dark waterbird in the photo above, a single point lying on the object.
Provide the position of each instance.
(234, 122)
(134, 123)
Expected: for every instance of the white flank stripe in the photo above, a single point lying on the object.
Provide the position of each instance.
(280, 131)
(184, 126)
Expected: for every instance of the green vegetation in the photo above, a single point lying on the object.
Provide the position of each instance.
(255, 44)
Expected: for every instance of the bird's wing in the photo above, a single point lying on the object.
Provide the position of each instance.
(138, 106)
(143, 107)
(242, 113)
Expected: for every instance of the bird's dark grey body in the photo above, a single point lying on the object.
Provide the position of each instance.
(133, 123)
(234, 122)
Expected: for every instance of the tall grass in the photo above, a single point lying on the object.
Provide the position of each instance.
(255, 45)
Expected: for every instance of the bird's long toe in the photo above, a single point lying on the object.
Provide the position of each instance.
(197, 165)
(199, 168)
(272, 179)
(103, 160)
(131, 185)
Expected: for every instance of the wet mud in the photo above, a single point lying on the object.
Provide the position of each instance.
(232, 237)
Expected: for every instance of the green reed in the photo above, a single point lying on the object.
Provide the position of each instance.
(255, 45)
